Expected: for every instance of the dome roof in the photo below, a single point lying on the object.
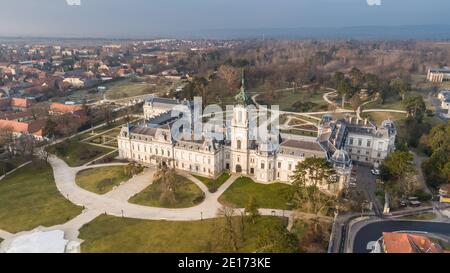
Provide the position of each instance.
(341, 157)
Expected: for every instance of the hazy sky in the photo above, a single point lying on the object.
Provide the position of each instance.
(139, 18)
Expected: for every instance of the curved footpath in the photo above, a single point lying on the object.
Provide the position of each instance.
(115, 202)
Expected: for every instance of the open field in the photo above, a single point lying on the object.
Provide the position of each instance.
(101, 180)
(76, 153)
(29, 198)
(274, 196)
(213, 184)
(124, 235)
(127, 88)
(187, 194)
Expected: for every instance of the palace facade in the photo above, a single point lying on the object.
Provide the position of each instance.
(272, 160)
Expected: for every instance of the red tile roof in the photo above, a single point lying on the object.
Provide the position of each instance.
(64, 108)
(23, 103)
(409, 243)
(35, 127)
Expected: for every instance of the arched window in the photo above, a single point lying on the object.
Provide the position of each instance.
(239, 145)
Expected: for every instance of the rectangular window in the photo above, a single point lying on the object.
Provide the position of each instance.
(369, 143)
(263, 166)
(359, 142)
(350, 141)
(279, 165)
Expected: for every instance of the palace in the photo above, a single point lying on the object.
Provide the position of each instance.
(274, 159)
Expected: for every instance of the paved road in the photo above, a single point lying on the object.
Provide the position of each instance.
(373, 232)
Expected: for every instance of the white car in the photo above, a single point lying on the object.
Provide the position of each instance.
(375, 172)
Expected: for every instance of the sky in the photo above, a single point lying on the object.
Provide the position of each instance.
(152, 18)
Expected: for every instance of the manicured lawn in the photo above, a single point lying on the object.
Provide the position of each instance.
(123, 235)
(213, 184)
(187, 194)
(423, 216)
(10, 164)
(272, 196)
(77, 153)
(288, 98)
(101, 180)
(379, 117)
(29, 198)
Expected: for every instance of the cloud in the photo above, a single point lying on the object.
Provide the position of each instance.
(73, 2)
(374, 2)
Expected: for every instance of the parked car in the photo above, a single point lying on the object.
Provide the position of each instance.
(403, 204)
(375, 172)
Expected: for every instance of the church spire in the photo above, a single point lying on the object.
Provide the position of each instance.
(242, 97)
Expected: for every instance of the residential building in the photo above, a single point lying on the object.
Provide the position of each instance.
(399, 242)
(438, 74)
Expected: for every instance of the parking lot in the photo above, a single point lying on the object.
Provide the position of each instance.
(365, 182)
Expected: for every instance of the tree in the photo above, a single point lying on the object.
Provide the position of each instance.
(401, 87)
(231, 76)
(133, 168)
(7, 139)
(314, 171)
(277, 240)
(397, 165)
(167, 178)
(415, 106)
(437, 167)
(230, 231)
(307, 197)
(50, 129)
(252, 209)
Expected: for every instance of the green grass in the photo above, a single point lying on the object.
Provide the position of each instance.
(187, 194)
(394, 103)
(213, 184)
(125, 89)
(77, 153)
(379, 117)
(272, 196)
(101, 180)
(302, 227)
(288, 98)
(29, 198)
(123, 235)
(423, 216)
(7, 165)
